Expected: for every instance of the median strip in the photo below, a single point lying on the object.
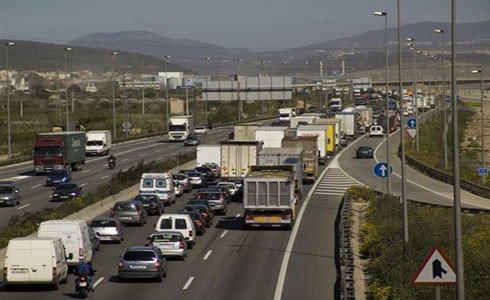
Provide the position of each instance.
(188, 283)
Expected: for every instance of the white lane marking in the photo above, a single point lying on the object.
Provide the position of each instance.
(207, 255)
(104, 177)
(141, 155)
(127, 151)
(83, 184)
(124, 170)
(223, 234)
(188, 283)
(99, 281)
(125, 159)
(292, 238)
(238, 216)
(36, 186)
(23, 206)
(86, 171)
(158, 151)
(17, 178)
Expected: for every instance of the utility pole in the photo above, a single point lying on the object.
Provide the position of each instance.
(143, 100)
(186, 101)
(444, 132)
(414, 90)
(482, 123)
(68, 49)
(7, 90)
(167, 100)
(113, 54)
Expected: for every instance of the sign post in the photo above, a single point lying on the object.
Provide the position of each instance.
(436, 270)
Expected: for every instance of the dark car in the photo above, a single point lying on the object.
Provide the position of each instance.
(216, 199)
(129, 212)
(142, 262)
(364, 152)
(66, 191)
(197, 219)
(203, 210)
(223, 189)
(208, 173)
(58, 176)
(151, 203)
(199, 202)
(215, 167)
(192, 140)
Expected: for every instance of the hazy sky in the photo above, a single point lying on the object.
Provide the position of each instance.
(254, 24)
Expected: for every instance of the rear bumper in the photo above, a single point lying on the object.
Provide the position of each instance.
(178, 253)
(109, 238)
(139, 274)
(284, 223)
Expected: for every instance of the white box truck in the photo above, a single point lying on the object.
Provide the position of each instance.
(336, 104)
(303, 120)
(238, 156)
(208, 154)
(349, 122)
(320, 131)
(270, 136)
(99, 142)
(285, 114)
(180, 127)
(245, 131)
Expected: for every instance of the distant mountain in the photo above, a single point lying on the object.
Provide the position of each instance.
(153, 44)
(28, 55)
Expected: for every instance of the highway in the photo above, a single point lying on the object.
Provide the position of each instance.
(36, 196)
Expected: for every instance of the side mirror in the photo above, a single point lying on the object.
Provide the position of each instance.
(70, 256)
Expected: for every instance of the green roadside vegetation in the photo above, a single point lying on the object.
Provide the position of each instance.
(432, 149)
(391, 263)
(27, 223)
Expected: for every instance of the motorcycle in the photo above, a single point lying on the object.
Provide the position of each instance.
(83, 287)
(112, 164)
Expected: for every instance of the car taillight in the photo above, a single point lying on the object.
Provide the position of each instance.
(181, 245)
(83, 279)
(198, 196)
(249, 217)
(199, 222)
(205, 215)
(221, 197)
(150, 244)
(154, 205)
(120, 264)
(53, 272)
(139, 211)
(190, 233)
(80, 252)
(187, 181)
(157, 264)
(5, 271)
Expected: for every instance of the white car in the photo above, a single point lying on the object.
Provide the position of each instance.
(201, 130)
(376, 131)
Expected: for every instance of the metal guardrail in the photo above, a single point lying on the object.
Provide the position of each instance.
(445, 177)
(347, 291)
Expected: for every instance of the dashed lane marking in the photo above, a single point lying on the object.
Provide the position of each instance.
(188, 283)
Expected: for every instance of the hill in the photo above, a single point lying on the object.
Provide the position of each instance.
(29, 55)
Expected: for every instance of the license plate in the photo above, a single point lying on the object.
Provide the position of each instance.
(138, 267)
(165, 245)
(63, 197)
(260, 219)
(126, 218)
(275, 219)
(83, 284)
(19, 271)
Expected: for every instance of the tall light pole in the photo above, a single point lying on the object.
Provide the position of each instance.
(481, 119)
(65, 54)
(167, 100)
(414, 88)
(402, 130)
(456, 184)
(7, 85)
(240, 106)
(207, 93)
(113, 54)
(444, 132)
(387, 107)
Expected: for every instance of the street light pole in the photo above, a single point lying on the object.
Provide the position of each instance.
(113, 54)
(240, 105)
(167, 100)
(444, 132)
(68, 49)
(484, 177)
(387, 107)
(207, 93)
(402, 131)
(9, 128)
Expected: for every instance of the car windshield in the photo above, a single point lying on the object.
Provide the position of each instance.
(124, 206)
(139, 256)
(47, 151)
(200, 128)
(203, 169)
(194, 208)
(94, 143)
(176, 128)
(148, 183)
(58, 173)
(191, 137)
(194, 174)
(6, 190)
(104, 223)
(166, 238)
(197, 202)
(66, 186)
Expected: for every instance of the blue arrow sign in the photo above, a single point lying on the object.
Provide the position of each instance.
(482, 171)
(381, 170)
(411, 123)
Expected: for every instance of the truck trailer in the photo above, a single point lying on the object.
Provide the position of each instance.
(99, 142)
(208, 154)
(287, 156)
(270, 136)
(310, 154)
(238, 156)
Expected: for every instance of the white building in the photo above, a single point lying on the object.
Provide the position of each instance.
(173, 78)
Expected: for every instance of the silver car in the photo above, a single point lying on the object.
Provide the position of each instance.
(9, 194)
(129, 212)
(108, 229)
(142, 262)
(171, 243)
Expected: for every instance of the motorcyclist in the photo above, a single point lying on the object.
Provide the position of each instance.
(111, 160)
(85, 269)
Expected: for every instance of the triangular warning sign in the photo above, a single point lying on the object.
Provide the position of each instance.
(412, 132)
(435, 270)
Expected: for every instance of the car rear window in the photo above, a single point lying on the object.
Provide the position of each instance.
(139, 256)
(179, 177)
(180, 224)
(161, 183)
(166, 224)
(104, 223)
(148, 183)
(124, 206)
(210, 196)
(166, 238)
(67, 186)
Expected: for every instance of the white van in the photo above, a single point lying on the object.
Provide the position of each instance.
(31, 260)
(161, 184)
(376, 130)
(75, 237)
(178, 222)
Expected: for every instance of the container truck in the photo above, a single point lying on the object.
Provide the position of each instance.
(59, 150)
(336, 104)
(349, 122)
(270, 136)
(238, 156)
(310, 154)
(269, 199)
(180, 127)
(245, 131)
(302, 120)
(337, 130)
(319, 131)
(208, 154)
(285, 114)
(287, 156)
(99, 142)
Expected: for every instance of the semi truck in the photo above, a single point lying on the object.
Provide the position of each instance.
(337, 131)
(245, 131)
(285, 114)
(269, 199)
(310, 154)
(350, 122)
(59, 150)
(99, 142)
(208, 154)
(238, 156)
(270, 136)
(319, 131)
(288, 156)
(180, 127)
(336, 104)
(302, 120)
